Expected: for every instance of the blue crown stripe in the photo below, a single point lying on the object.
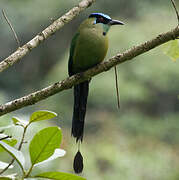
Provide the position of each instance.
(103, 15)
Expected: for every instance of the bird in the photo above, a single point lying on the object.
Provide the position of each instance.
(88, 48)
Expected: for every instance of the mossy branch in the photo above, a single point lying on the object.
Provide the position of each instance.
(104, 66)
(50, 30)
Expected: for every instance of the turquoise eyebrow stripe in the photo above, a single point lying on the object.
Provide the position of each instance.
(101, 14)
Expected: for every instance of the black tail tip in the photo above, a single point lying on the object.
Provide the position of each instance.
(78, 163)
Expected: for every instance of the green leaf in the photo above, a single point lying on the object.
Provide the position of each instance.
(58, 153)
(10, 142)
(44, 144)
(4, 165)
(59, 176)
(42, 115)
(17, 121)
(171, 49)
(17, 155)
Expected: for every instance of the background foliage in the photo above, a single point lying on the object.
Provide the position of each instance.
(141, 141)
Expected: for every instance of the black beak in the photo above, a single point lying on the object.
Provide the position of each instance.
(116, 22)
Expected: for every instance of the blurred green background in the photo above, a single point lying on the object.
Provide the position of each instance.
(138, 142)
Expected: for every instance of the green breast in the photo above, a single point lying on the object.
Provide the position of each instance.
(90, 48)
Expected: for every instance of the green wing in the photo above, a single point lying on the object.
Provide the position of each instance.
(72, 49)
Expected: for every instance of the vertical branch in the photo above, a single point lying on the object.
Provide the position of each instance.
(117, 89)
(177, 14)
(11, 27)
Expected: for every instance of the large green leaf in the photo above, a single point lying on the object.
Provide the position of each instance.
(10, 142)
(44, 144)
(171, 49)
(17, 155)
(59, 176)
(42, 115)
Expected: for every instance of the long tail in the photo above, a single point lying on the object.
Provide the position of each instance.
(79, 111)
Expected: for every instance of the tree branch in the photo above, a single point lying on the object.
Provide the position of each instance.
(50, 30)
(104, 66)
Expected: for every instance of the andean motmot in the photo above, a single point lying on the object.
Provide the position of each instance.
(88, 48)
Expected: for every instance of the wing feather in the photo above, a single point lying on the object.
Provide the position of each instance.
(72, 50)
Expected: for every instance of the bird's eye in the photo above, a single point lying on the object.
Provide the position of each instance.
(101, 20)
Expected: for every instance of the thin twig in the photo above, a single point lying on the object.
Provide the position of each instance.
(7, 167)
(117, 89)
(23, 136)
(12, 29)
(6, 137)
(177, 14)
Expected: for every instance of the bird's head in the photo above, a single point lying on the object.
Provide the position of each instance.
(105, 20)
